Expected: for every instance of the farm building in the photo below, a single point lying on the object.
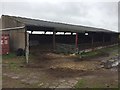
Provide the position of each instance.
(54, 36)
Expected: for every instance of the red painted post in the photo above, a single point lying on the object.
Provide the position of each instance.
(76, 41)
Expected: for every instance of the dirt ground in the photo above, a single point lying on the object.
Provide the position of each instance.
(50, 70)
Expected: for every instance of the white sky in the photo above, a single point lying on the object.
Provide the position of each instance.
(96, 13)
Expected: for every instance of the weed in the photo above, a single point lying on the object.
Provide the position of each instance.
(12, 64)
(14, 67)
(80, 84)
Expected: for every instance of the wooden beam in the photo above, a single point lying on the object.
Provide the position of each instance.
(31, 32)
(54, 39)
(26, 46)
(111, 38)
(71, 33)
(64, 33)
(44, 32)
(14, 28)
(92, 40)
(76, 41)
(103, 40)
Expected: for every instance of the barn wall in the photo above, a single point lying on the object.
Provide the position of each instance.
(17, 37)
(9, 22)
(0, 23)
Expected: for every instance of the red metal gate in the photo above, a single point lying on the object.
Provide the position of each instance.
(4, 44)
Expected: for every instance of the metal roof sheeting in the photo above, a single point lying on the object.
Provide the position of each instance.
(56, 25)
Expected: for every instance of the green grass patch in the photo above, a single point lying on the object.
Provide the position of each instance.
(12, 64)
(80, 84)
(9, 56)
(93, 86)
(93, 53)
(89, 54)
(110, 48)
(15, 67)
(99, 52)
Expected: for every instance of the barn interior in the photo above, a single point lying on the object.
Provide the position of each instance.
(61, 40)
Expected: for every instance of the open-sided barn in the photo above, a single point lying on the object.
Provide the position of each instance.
(55, 36)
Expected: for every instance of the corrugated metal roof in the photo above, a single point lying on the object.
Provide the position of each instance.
(60, 26)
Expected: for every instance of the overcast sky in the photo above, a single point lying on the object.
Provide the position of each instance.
(95, 14)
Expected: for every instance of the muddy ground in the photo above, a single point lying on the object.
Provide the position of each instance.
(51, 70)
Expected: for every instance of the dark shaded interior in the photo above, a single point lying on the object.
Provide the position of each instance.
(70, 39)
(91, 39)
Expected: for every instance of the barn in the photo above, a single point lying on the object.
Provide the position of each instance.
(29, 33)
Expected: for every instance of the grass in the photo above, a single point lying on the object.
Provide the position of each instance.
(89, 54)
(93, 54)
(96, 86)
(80, 84)
(9, 56)
(100, 52)
(12, 61)
(12, 64)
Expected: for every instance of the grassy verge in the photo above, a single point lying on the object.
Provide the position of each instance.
(83, 83)
(100, 52)
(93, 54)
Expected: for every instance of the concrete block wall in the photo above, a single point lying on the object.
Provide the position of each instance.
(10, 22)
(17, 37)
